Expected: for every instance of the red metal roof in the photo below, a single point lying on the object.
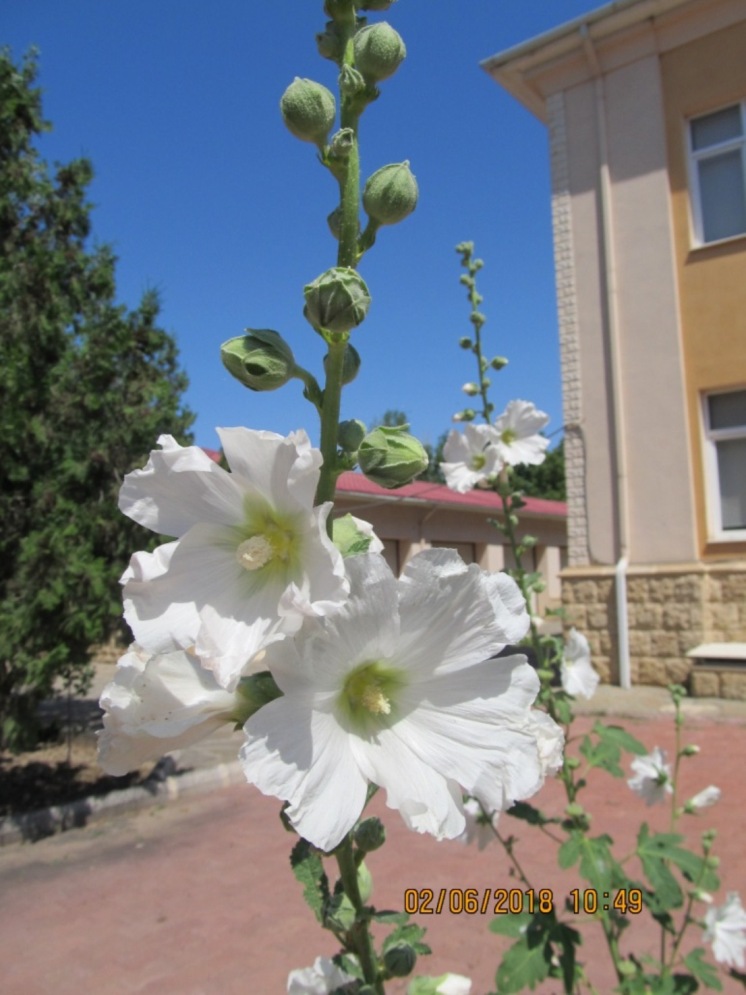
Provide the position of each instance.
(421, 490)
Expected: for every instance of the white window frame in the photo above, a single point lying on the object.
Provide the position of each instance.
(711, 436)
(696, 156)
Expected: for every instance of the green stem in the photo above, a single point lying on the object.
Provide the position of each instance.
(349, 204)
(359, 934)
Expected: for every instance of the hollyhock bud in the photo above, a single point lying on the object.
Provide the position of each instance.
(330, 44)
(336, 301)
(399, 960)
(498, 362)
(390, 194)
(351, 366)
(308, 110)
(374, 4)
(370, 834)
(351, 433)
(379, 51)
(261, 359)
(391, 457)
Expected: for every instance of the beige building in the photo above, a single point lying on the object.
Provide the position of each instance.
(422, 515)
(645, 104)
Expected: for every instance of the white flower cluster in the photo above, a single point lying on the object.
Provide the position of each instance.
(383, 680)
(476, 457)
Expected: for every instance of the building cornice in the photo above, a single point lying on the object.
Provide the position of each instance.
(617, 34)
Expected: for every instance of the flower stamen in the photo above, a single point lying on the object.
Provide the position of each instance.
(255, 553)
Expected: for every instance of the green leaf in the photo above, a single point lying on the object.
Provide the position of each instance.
(568, 940)
(661, 849)
(511, 925)
(410, 933)
(702, 970)
(397, 918)
(597, 865)
(529, 814)
(527, 962)
(569, 852)
(309, 871)
(604, 754)
(620, 737)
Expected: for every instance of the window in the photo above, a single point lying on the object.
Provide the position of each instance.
(725, 455)
(717, 151)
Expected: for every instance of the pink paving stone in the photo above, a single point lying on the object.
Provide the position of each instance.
(197, 898)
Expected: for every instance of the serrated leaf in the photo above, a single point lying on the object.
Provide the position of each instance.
(309, 871)
(524, 965)
(665, 848)
(621, 738)
(703, 970)
(511, 925)
(569, 852)
(605, 754)
(339, 912)
(395, 918)
(410, 933)
(597, 865)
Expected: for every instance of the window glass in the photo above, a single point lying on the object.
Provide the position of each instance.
(723, 199)
(728, 410)
(715, 128)
(732, 473)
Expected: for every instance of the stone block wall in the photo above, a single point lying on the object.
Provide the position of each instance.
(671, 610)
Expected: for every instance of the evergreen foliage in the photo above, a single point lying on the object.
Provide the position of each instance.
(87, 388)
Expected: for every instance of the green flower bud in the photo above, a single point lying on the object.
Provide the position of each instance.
(261, 359)
(336, 301)
(350, 434)
(330, 44)
(399, 960)
(370, 834)
(468, 414)
(390, 194)
(391, 457)
(352, 536)
(253, 693)
(497, 362)
(351, 82)
(351, 366)
(374, 4)
(471, 389)
(334, 220)
(364, 882)
(308, 110)
(342, 143)
(465, 342)
(379, 51)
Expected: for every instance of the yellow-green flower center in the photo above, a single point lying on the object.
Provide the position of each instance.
(268, 539)
(369, 695)
(508, 435)
(478, 461)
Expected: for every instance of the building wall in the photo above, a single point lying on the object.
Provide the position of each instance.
(701, 76)
(627, 318)
(407, 528)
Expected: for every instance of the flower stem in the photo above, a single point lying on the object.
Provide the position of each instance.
(359, 933)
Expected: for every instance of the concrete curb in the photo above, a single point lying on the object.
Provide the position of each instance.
(32, 826)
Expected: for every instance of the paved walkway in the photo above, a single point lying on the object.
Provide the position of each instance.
(188, 898)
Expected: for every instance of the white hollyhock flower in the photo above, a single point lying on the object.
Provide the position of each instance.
(396, 688)
(726, 931)
(479, 827)
(703, 799)
(252, 557)
(157, 704)
(321, 979)
(515, 434)
(652, 780)
(576, 671)
(470, 459)
(453, 984)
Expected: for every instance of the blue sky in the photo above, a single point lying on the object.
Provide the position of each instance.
(205, 195)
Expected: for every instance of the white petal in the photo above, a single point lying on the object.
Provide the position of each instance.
(178, 487)
(274, 466)
(303, 756)
(155, 705)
